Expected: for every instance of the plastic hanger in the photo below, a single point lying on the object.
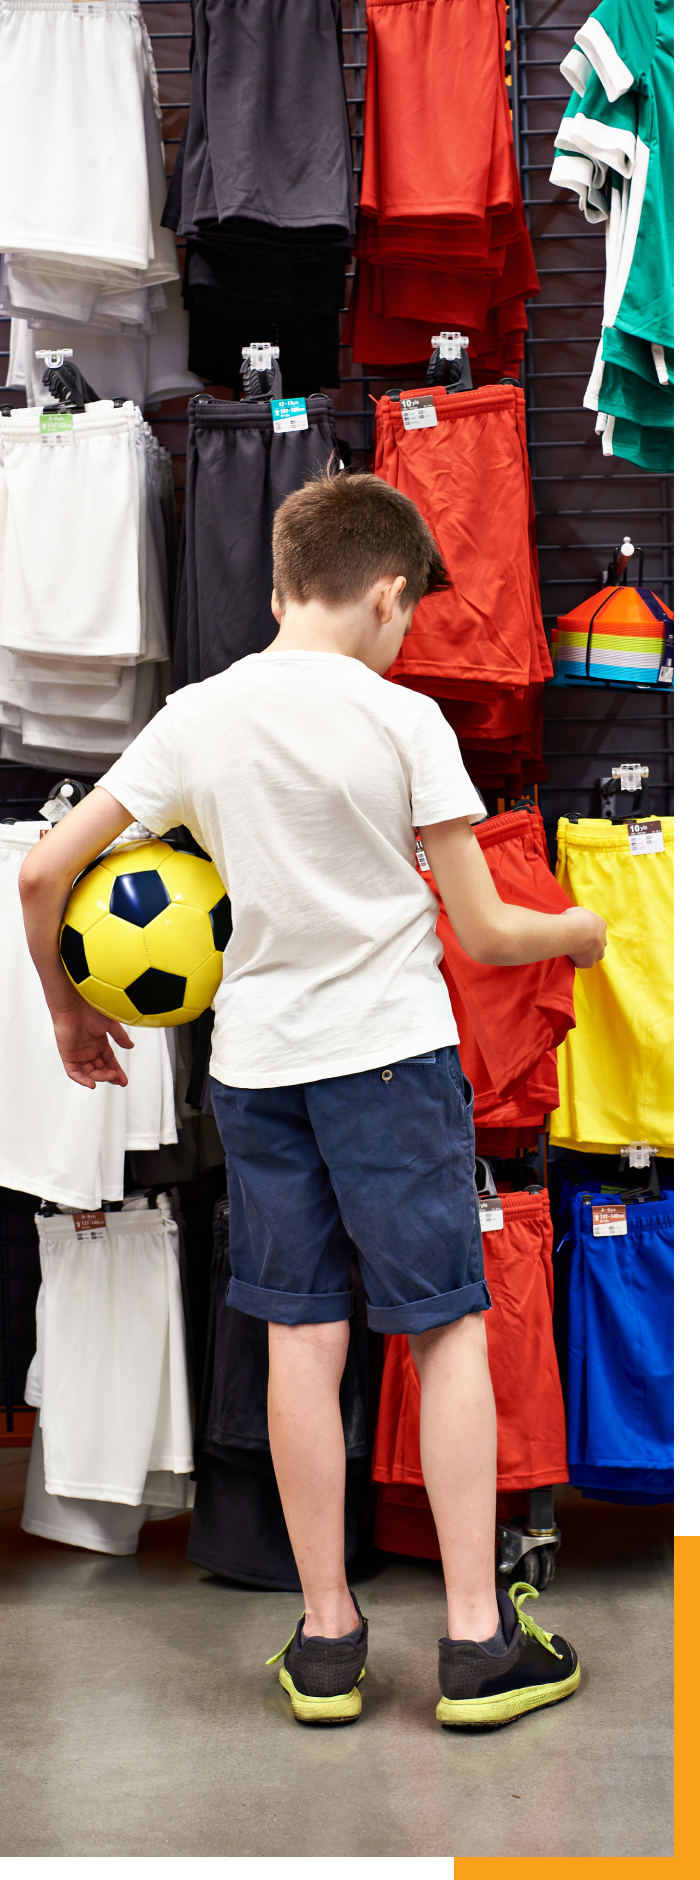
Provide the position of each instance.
(260, 372)
(449, 362)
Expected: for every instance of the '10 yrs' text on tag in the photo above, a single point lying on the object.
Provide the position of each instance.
(419, 412)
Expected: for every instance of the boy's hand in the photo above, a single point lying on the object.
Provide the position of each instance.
(494, 932)
(83, 1039)
(588, 933)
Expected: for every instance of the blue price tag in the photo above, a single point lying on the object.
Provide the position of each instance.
(289, 414)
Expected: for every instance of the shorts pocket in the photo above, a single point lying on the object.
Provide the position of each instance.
(461, 1083)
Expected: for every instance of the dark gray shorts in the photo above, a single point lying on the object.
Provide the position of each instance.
(238, 473)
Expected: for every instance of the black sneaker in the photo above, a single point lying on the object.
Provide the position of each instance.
(481, 1687)
(322, 1674)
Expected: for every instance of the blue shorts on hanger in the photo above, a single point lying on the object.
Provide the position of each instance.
(620, 1349)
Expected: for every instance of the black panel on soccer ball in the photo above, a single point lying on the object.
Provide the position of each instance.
(138, 898)
(156, 992)
(73, 954)
(221, 923)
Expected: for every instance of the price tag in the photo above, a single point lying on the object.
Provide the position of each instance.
(490, 1214)
(289, 414)
(419, 412)
(91, 1226)
(51, 422)
(422, 858)
(646, 838)
(608, 1219)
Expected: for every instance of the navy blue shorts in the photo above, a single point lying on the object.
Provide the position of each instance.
(381, 1161)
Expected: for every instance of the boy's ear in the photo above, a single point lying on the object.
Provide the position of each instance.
(276, 609)
(389, 593)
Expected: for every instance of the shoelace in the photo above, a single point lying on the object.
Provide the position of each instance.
(526, 1623)
(285, 1648)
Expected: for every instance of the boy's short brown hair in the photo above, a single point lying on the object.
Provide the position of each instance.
(335, 537)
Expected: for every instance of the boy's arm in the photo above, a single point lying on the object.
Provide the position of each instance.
(45, 881)
(486, 927)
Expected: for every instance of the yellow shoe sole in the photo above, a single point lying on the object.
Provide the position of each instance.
(495, 1710)
(341, 1709)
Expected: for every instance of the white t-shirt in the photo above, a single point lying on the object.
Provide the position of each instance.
(303, 775)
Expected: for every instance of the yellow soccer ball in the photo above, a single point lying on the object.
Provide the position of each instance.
(144, 933)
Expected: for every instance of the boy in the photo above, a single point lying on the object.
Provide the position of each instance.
(337, 1084)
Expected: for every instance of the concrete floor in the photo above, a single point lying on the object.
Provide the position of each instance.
(138, 1717)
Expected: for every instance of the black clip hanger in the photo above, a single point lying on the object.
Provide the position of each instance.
(61, 798)
(484, 1178)
(449, 362)
(68, 786)
(61, 409)
(261, 380)
(523, 802)
(650, 1190)
(611, 787)
(66, 383)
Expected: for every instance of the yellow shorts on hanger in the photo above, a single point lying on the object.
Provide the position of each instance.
(616, 1068)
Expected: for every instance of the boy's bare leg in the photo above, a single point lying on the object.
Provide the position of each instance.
(458, 1458)
(308, 1451)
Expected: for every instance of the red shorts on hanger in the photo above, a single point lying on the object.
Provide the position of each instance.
(522, 1362)
(469, 476)
(508, 1017)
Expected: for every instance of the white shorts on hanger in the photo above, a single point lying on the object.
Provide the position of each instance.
(71, 508)
(115, 1399)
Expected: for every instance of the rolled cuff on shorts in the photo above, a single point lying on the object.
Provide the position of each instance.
(288, 1308)
(422, 1315)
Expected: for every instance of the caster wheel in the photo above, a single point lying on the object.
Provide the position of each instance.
(548, 1558)
(528, 1568)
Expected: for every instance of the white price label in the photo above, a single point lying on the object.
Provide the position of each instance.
(90, 1226)
(490, 1214)
(646, 838)
(419, 413)
(422, 858)
(609, 1218)
(289, 414)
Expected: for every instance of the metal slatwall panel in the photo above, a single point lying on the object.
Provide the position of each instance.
(585, 502)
